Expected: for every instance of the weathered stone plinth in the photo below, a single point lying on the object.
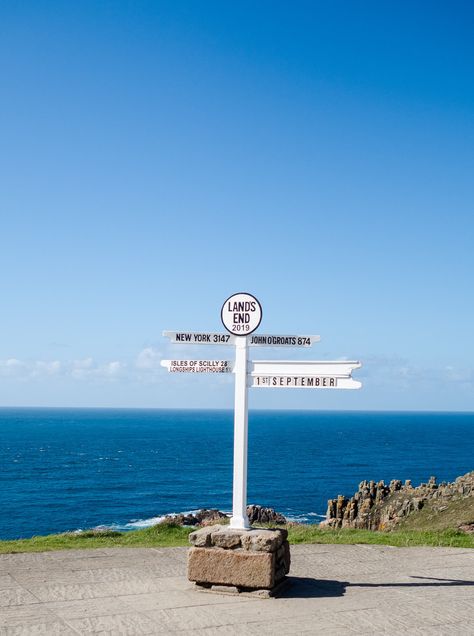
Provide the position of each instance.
(245, 559)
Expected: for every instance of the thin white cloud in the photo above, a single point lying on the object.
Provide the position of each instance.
(402, 374)
(378, 372)
(89, 368)
(86, 368)
(148, 358)
(86, 363)
(80, 369)
(42, 367)
(12, 367)
(113, 369)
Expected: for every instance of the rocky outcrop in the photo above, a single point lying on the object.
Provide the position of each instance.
(202, 518)
(259, 514)
(378, 506)
(256, 514)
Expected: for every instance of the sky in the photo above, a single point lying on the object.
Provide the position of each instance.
(160, 156)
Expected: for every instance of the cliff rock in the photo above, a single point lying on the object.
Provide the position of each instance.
(256, 514)
(380, 506)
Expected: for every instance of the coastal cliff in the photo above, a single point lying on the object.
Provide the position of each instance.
(380, 506)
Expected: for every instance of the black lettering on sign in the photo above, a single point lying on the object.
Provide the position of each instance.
(242, 306)
(221, 337)
(241, 318)
(179, 363)
(202, 337)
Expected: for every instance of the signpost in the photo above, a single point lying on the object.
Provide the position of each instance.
(241, 315)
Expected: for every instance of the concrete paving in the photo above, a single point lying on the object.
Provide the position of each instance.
(335, 589)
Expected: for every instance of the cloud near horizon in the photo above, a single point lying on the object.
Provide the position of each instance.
(148, 358)
(76, 369)
(377, 370)
(147, 362)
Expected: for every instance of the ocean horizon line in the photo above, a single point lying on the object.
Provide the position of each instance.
(228, 409)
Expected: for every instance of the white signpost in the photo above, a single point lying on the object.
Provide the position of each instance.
(241, 315)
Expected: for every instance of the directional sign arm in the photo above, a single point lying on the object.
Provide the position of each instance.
(201, 338)
(253, 340)
(198, 366)
(301, 382)
(307, 374)
(269, 340)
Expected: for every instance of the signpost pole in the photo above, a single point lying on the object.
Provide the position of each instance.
(239, 518)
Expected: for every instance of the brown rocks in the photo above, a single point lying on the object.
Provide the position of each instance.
(208, 517)
(203, 517)
(377, 506)
(260, 514)
(246, 559)
(467, 527)
(256, 514)
(225, 537)
(263, 540)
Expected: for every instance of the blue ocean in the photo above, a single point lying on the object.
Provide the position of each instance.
(70, 469)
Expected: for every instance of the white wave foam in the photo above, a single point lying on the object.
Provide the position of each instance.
(139, 524)
(308, 517)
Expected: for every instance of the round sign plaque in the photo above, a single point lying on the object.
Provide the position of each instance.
(241, 314)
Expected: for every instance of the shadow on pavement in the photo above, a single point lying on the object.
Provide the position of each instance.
(302, 587)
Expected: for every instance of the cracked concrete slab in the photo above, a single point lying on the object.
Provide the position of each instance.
(337, 589)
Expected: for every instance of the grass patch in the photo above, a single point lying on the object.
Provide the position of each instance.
(161, 535)
(441, 515)
(172, 535)
(400, 538)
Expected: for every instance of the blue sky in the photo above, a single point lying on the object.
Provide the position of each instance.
(159, 156)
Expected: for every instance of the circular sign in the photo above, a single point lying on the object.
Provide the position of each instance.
(241, 314)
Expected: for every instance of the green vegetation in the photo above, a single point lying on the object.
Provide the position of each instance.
(399, 538)
(171, 535)
(436, 515)
(161, 535)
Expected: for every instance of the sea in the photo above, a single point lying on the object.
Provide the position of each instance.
(74, 469)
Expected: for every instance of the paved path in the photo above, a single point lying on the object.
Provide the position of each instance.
(334, 590)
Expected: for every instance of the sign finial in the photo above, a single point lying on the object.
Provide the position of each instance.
(241, 314)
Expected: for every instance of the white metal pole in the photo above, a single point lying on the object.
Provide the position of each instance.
(239, 518)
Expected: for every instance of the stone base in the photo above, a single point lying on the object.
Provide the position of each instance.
(244, 559)
(275, 591)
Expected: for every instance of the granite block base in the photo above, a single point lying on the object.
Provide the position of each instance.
(256, 559)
